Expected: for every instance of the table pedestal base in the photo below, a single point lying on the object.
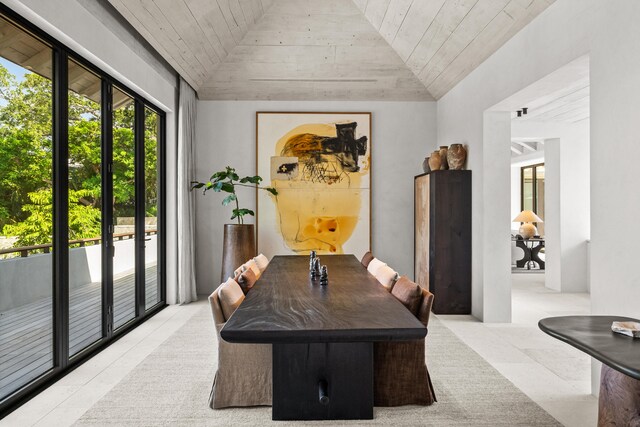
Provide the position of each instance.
(619, 403)
(344, 372)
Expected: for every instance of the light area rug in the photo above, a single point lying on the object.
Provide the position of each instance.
(171, 387)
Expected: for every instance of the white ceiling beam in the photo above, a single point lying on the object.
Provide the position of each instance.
(516, 150)
(531, 146)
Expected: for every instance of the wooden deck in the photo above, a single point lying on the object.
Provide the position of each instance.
(26, 333)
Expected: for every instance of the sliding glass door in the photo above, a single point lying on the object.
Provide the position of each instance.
(85, 202)
(124, 209)
(81, 182)
(26, 208)
(151, 207)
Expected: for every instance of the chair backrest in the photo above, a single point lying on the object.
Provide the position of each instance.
(425, 307)
(374, 265)
(216, 309)
(387, 276)
(262, 262)
(366, 259)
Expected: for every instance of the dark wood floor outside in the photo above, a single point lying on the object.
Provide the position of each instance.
(26, 334)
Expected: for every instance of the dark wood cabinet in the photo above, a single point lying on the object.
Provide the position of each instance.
(442, 203)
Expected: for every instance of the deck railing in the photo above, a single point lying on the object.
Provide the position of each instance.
(46, 248)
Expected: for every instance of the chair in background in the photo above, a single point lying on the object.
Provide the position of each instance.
(366, 259)
(374, 265)
(254, 266)
(400, 375)
(243, 377)
(387, 276)
(262, 262)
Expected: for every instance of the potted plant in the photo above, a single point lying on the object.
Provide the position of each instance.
(239, 244)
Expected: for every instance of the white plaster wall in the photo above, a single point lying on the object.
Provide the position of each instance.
(97, 39)
(567, 30)
(552, 214)
(403, 133)
(497, 224)
(615, 150)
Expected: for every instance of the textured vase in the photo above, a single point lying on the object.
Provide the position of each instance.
(456, 156)
(443, 157)
(238, 247)
(435, 161)
(425, 165)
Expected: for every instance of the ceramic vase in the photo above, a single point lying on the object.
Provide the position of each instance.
(443, 157)
(456, 156)
(425, 165)
(238, 247)
(435, 161)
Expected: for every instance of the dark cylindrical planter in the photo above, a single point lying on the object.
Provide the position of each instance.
(238, 247)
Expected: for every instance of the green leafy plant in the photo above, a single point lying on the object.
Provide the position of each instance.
(226, 181)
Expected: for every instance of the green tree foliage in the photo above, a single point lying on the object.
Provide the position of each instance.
(26, 157)
(84, 221)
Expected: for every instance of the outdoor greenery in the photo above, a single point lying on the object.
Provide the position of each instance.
(26, 157)
(226, 181)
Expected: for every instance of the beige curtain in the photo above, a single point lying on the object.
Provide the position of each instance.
(186, 208)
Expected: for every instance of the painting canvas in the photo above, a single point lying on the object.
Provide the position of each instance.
(320, 163)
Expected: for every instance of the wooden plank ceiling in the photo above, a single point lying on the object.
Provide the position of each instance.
(328, 49)
(562, 96)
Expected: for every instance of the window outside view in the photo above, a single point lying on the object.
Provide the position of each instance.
(27, 201)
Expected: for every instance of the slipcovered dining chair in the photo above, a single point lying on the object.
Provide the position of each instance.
(387, 276)
(366, 259)
(262, 262)
(243, 377)
(400, 374)
(374, 265)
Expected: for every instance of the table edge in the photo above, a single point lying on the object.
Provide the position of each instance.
(633, 373)
(307, 336)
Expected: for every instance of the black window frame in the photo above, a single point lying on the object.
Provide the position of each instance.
(62, 363)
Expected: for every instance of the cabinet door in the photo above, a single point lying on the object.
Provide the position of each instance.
(421, 230)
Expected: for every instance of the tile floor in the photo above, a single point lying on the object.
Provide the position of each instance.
(551, 373)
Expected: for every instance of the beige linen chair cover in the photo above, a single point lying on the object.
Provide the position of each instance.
(400, 373)
(243, 377)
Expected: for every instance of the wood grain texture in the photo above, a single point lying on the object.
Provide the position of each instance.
(593, 335)
(286, 307)
(424, 47)
(194, 36)
(421, 230)
(307, 50)
(448, 239)
(619, 399)
(442, 41)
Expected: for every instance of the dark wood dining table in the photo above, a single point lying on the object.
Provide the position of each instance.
(322, 336)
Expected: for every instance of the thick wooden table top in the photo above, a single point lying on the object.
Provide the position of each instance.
(593, 335)
(286, 307)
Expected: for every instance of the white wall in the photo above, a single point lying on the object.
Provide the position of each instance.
(567, 200)
(567, 30)
(100, 39)
(403, 133)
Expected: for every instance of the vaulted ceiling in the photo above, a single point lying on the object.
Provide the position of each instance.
(327, 49)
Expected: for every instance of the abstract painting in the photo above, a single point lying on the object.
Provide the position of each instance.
(320, 163)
